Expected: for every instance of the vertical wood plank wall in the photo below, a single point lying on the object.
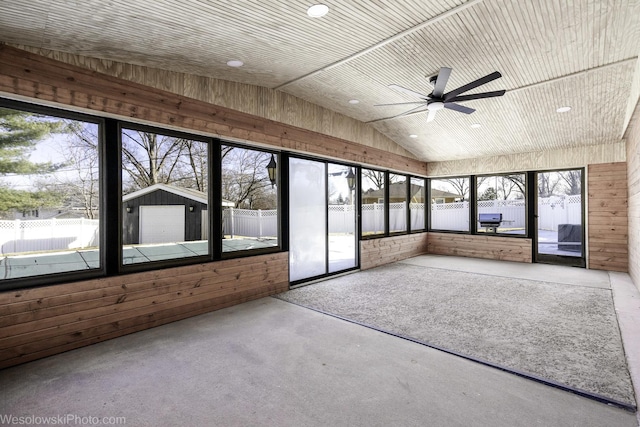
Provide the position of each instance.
(476, 246)
(39, 322)
(633, 191)
(376, 252)
(607, 217)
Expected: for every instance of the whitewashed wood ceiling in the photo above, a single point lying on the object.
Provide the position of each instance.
(551, 53)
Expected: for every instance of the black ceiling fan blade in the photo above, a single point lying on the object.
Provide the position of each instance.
(458, 107)
(474, 84)
(477, 96)
(400, 103)
(409, 91)
(413, 110)
(441, 81)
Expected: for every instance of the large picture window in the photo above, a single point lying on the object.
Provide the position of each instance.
(502, 197)
(165, 202)
(450, 204)
(49, 194)
(249, 200)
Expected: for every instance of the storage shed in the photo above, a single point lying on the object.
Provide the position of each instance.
(163, 213)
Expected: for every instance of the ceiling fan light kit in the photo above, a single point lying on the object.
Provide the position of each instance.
(437, 99)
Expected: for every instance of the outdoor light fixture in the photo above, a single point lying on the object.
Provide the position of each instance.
(129, 209)
(351, 179)
(191, 208)
(271, 169)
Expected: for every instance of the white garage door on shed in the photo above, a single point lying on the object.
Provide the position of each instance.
(162, 224)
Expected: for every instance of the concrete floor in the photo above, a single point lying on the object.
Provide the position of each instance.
(269, 362)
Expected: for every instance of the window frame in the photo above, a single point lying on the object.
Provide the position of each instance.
(471, 205)
(527, 214)
(217, 182)
(73, 275)
(111, 206)
(385, 209)
(426, 212)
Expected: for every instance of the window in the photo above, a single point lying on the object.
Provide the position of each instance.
(49, 194)
(504, 196)
(373, 202)
(249, 200)
(397, 203)
(450, 204)
(417, 204)
(165, 202)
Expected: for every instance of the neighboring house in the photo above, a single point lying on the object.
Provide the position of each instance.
(397, 193)
(48, 213)
(163, 213)
(439, 196)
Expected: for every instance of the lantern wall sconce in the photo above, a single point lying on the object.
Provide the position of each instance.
(272, 169)
(351, 179)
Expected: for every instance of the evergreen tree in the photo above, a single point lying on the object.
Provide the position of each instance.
(19, 133)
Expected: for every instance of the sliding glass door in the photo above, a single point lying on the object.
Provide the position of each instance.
(322, 219)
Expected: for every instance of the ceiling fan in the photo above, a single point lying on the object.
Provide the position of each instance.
(437, 100)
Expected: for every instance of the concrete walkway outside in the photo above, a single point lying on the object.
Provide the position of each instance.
(271, 363)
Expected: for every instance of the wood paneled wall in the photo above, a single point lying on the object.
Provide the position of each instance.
(476, 246)
(541, 160)
(376, 252)
(39, 322)
(145, 95)
(633, 191)
(607, 217)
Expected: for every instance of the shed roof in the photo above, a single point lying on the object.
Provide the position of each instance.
(188, 193)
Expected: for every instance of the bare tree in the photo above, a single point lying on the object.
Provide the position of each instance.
(548, 183)
(78, 181)
(375, 177)
(245, 180)
(516, 185)
(150, 158)
(573, 178)
(460, 185)
(191, 170)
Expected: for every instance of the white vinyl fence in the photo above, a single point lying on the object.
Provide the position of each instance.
(56, 234)
(551, 212)
(559, 210)
(47, 234)
(250, 223)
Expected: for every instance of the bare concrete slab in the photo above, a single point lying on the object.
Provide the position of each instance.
(271, 363)
(626, 299)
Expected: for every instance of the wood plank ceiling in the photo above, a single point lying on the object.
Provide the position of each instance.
(578, 53)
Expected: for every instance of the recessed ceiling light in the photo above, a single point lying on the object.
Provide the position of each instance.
(318, 10)
(563, 109)
(235, 63)
(476, 125)
(354, 101)
(413, 135)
